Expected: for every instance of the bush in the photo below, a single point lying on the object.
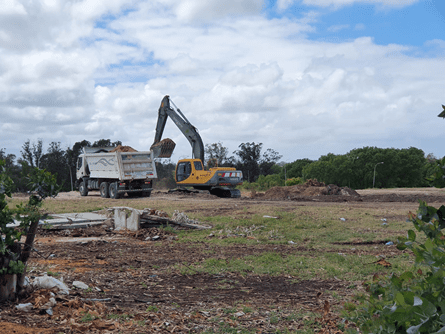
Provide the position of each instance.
(269, 181)
(294, 181)
(414, 302)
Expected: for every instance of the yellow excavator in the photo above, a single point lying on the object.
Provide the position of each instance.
(219, 181)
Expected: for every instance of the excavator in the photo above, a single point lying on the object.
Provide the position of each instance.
(219, 181)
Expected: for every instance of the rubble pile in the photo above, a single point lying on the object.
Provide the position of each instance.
(312, 187)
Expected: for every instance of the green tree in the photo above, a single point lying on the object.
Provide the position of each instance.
(295, 169)
(249, 155)
(400, 168)
(32, 153)
(12, 257)
(218, 155)
(268, 161)
(55, 161)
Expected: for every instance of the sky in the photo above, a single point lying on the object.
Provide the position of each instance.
(303, 77)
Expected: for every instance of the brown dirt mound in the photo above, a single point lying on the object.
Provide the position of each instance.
(312, 187)
(315, 191)
(313, 183)
(121, 148)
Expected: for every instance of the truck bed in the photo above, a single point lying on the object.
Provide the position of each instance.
(122, 165)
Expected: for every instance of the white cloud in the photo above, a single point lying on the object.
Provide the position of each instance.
(338, 27)
(198, 10)
(339, 3)
(12, 7)
(237, 75)
(283, 4)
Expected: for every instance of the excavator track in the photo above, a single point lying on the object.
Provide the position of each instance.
(226, 192)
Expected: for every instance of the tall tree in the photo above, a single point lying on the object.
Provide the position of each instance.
(55, 162)
(218, 155)
(32, 153)
(268, 161)
(249, 156)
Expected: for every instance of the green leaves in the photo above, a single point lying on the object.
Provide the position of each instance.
(414, 302)
(42, 185)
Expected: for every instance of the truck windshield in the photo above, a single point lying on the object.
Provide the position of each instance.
(79, 163)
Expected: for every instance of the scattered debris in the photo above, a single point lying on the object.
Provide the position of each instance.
(24, 307)
(383, 263)
(80, 285)
(49, 282)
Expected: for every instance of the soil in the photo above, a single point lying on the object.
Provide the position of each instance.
(121, 148)
(135, 281)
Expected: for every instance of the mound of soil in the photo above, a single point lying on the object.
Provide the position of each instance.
(312, 187)
(121, 148)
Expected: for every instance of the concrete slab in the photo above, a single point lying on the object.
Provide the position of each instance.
(83, 219)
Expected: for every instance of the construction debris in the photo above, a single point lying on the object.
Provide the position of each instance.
(134, 219)
(312, 187)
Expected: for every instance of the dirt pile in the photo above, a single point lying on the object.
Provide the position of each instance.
(121, 148)
(312, 187)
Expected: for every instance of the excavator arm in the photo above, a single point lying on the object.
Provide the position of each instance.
(165, 150)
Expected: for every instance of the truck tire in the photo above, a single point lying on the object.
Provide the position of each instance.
(146, 193)
(104, 190)
(83, 189)
(113, 191)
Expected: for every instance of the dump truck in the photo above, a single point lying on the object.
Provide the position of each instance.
(115, 173)
(219, 181)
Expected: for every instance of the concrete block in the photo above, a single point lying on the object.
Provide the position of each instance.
(133, 221)
(120, 220)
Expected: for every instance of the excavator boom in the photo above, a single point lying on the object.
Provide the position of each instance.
(164, 150)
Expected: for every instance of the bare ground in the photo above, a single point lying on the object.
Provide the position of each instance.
(140, 288)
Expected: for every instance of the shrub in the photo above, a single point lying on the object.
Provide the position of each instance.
(294, 181)
(413, 302)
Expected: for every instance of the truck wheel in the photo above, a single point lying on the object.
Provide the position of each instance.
(83, 189)
(113, 191)
(104, 190)
(146, 193)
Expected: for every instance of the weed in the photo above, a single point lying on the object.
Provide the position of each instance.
(152, 308)
(87, 317)
(54, 274)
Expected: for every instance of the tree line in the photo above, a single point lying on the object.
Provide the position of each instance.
(62, 162)
(367, 167)
(358, 169)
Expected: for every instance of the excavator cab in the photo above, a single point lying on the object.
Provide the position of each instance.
(183, 171)
(187, 167)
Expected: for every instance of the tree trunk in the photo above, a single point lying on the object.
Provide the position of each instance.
(8, 287)
(27, 252)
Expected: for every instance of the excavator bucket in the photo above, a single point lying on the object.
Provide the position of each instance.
(163, 149)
